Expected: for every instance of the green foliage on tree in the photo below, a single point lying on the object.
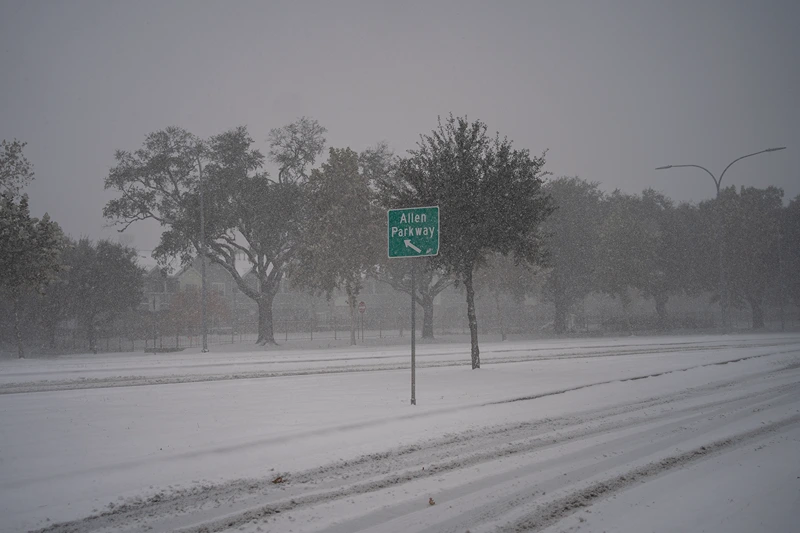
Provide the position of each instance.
(693, 260)
(625, 245)
(504, 280)
(248, 216)
(251, 217)
(295, 147)
(429, 282)
(29, 247)
(572, 240)
(751, 223)
(646, 246)
(100, 281)
(15, 169)
(378, 164)
(790, 253)
(341, 238)
(489, 195)
(29, 254)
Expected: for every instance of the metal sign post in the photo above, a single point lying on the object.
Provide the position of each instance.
(413, 336)
(413, 232)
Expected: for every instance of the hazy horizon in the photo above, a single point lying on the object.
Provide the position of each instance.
(611, 89)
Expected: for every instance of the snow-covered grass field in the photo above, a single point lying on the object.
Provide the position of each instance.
(631, 434)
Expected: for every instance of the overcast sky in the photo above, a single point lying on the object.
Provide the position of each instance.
(611, 89)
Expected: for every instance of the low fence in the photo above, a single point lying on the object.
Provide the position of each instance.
(73, 341)
(536, 324)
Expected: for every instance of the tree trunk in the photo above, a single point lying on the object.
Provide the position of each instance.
(500, 316)
(561, 305)
(266, 331)
(351, 303)
(51, 334)
(758, 313)
(17, 330)
(90, 336)
(628, 320)
(661, 308)
(560, 321)
(626, 304)
(427, 317)
(473, 321)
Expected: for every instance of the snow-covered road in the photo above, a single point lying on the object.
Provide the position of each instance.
(604, 434)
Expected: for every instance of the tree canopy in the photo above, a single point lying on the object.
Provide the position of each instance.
(102, 280)
(790, 256)
(572, 241)
(489, 194)
(752, 232)
(341, 241)
(247, 215)
(30, 251)
(640, 249)
(15, 169)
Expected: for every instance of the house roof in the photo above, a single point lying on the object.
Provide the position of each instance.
(243, 267)
(145, 259)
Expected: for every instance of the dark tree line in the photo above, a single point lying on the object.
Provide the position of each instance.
(90, 283)
(620, 243)
(29, 247)
(501, 219)
(48, 278)
(507, 230)
(323, 226)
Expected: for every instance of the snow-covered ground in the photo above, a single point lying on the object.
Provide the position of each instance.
(631, 434)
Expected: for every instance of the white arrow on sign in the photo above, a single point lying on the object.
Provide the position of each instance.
(409, 245)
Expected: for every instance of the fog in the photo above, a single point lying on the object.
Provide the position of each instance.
(611, 89)
(399, 266)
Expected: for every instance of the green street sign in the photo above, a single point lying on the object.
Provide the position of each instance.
(413, 232)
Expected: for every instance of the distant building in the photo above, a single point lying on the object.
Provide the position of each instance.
(385, 306)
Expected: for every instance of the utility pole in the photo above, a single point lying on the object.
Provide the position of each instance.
(233, 315)
(155, 330)
(781, 287)
(204, 289)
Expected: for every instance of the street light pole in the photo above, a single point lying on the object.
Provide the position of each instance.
(781, 287)
(204, 289)
(723, 273)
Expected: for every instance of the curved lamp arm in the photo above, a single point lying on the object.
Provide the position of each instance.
(716, 182)
(748, 155)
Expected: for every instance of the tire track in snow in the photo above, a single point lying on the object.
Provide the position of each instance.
(374, 423)
(563, 470)
(559, 423)
(552, 512)
(586, 351)
(643, 376)
(369, 473)
(140, 381)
